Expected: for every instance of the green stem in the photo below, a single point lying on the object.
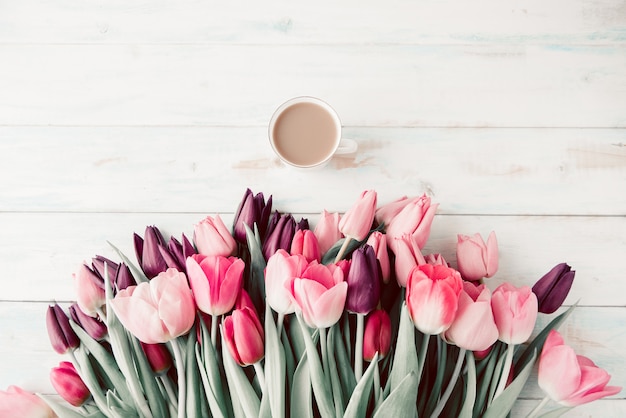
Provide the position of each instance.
(182, 386)
(343, 249)
(421, 358)
(169, 389)
(358, 347)
(279, 323)
(504, 376)
(214, 330)
(260, 375)
(538, 408)
(324, 350)
(451, 384)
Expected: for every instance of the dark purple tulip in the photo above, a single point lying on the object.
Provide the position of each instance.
(553, 287)
(175, 255)
(280, 233)
(124, 278)
(363, 281)
(148, 254)
(98, 263)
(303, 224)
(252, 209)
(92, 326)
(62, 336)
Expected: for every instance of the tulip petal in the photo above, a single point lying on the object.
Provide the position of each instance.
(329, 306)
(559, 373)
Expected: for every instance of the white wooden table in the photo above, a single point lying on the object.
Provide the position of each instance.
(511, 114)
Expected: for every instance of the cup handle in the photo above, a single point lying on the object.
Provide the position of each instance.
(346, 146)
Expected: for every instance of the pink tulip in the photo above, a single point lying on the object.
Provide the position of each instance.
(436, 259)
(378, 241)
(327, 231)
(69, 384)
(408, 256)
(157, 311)
(432, 296)
(569, 379)
(244, 300)
(16, 402)
(515, 312)
(377, 335)
(356, 223)
(89, 291)
(320, 293)
(476, 259)
(388, 211)
(474, 327)
(281, 269)
(414, 219)
(215, 281)
(304, 242)
(213, 238)
(244, 338)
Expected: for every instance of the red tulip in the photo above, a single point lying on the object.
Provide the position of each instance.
(281, 269)
(157, 311)
(244, 336)
(16, 402)
(215, 281)
(474, 327)
(476, 259)
(569, 379)
(327, 231)
(304, 242)
(69, 384)
(356, 223)
(515, 312)
(414, 219)
(377, 336)
(432, 296)
(158, 356)
(213, 238)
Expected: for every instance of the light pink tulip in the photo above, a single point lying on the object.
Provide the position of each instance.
(432, 297)
(244, 338)
(281, 269)
(327, 231)
(569, 379)
(89, 291)
(320, 294)
(515, 312)
(414, 219)
(408, 256)
(16, 402)
(216, 282)
(69, 384)
(474, 327)
(436, 259)
(388, 211)
(378, 241)
(356, 223)
(304, 242)
(213, 238)
(157, 311)
(476, 259)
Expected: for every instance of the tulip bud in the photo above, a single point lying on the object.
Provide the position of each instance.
(62, 336)
(305, 243)
(124, 278)
(363, 281)
(98, 263)
(213, 238)
(408, 255)
(377, 335)
(244, 301)
(89, 290)
(92, 326)
(388, 211)
(414, 219)
(356, 223)
(553, 287)
(476, 259)
(158, 356)
(252, 210)
(244, 336)
(327, 231)
(17, 402)
(515, 312)
(147, 251)
(378, 241)
(436, 259)
(303, 223)
(69, 384)
(280, 232)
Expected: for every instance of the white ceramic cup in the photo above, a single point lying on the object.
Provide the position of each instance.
(305, 132)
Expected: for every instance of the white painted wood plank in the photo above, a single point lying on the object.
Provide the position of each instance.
(283, 22)
(370, 85)
(39, 252)
(158, 169)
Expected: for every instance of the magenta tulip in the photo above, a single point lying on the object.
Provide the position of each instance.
(158, 356)
(281, 269)
(62, 336)
(89, 290)
(515, 312)
(474, 327)
(378, 241)
(356, 223)
(377, 336)
(157, 311)
(215, 281)
(414, 219)
(408, 256)
(69, 384)
(320, 294)
(244, 336)
(432, 296)
(304, 242)
(571, 379)
(476, 259)
(327, 231)
(92, 326)
(16, 402)
(213, 238)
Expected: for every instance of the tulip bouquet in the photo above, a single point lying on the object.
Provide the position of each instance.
(269, 318)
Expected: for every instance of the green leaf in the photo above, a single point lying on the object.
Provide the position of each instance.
(256, 279)
(344, 366)
(470, 396)
(195, 405)
(214, 403)
(239, 383)
(117, 408)
(64, 411)
(357, 406)
(210, 374)
(274, 367)
(335, 381)
(501, 405)
(331, 254)
(405, 358)
(138, 274)
(401, 400)
(147, 377)
(301, 396)
(555, 413)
